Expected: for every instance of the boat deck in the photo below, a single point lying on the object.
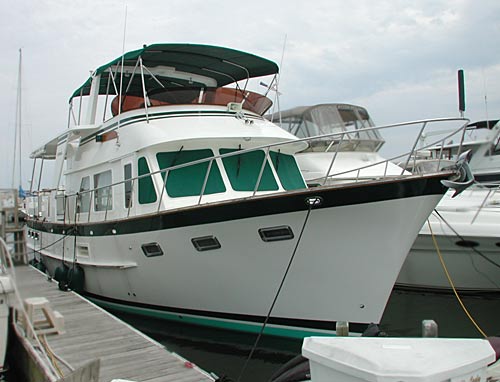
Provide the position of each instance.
(92, 333)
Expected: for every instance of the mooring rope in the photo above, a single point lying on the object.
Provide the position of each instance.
(311, 202)
(451, 282)
(462, 238)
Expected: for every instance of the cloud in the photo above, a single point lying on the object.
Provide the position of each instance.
(397, 58)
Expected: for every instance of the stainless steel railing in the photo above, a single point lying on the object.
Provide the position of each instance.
(72, 201)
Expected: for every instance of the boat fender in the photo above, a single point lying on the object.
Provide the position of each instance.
(38, 264)
(61, 273)
(76, 278)
(295, 370)
(373, 330)
(41, 266)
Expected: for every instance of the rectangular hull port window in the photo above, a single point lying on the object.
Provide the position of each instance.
(205, 243)
(152, 249)
(283, 232)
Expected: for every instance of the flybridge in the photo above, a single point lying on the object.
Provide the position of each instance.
(162, 75)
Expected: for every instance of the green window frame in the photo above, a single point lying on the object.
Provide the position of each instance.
(288, 171)
(147, 192)
(188, 181)
(243, 171)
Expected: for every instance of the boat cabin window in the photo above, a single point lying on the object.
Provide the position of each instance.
(127, 174)
(103, 196)
(243, 171)
(147, 193)
(83, 201)
(288, 171)
(189, 180)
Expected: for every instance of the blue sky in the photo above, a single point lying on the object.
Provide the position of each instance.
(399, 59)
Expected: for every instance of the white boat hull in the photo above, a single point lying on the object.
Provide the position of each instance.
(472, 259)
(344, 268)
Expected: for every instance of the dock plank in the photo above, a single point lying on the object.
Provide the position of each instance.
(92, 333)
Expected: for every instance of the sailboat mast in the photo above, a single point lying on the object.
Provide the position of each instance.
(17, 136)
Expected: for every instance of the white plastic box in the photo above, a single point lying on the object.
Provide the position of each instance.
(356, 359)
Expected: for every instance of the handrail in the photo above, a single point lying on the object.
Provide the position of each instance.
(337, 137)
(414, 145)
(262, 167)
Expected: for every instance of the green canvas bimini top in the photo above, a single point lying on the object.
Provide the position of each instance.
(223, 65)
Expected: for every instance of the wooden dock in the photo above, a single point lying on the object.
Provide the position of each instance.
(91, 333)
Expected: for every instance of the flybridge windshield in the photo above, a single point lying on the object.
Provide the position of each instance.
(208, 96)
(306, 122)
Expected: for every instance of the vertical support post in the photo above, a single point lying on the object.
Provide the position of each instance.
(32, 176)
(333, 159)
(162, 190)
(144, 90)
(261, 171)
(131, 198)
(108, 196)
(205, 180)
(413, 148)
(90, 204)
(93, 96)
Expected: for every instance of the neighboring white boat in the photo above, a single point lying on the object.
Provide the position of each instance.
(343, 143)
(465, 227)
(187, 204)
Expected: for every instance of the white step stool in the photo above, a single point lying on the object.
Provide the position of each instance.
(53, 321)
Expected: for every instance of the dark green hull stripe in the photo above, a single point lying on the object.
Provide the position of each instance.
(292, 328)
(274, 204)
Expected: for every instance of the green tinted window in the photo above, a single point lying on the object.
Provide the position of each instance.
(147, 193)
(287, 170)
(188, 181)
(243, 171)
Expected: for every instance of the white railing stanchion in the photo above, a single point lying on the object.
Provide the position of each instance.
(413, 148)
(207, 174)
(131, 198)
(162, 190)
(261, 171)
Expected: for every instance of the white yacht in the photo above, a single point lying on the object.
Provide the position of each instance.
(465, 227)
(181, 201)
(343, 143)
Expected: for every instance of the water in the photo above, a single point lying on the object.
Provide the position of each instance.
(224, 352)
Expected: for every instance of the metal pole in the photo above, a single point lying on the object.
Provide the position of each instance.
(333, 159)
(32, 175)
(413, 148)
(144, 90)
(131, 198)
(206, 180)
(261, 171)
(162, 190)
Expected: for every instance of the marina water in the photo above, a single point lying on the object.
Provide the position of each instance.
(224, 352)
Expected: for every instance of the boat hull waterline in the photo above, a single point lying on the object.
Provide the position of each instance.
(233, 286)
